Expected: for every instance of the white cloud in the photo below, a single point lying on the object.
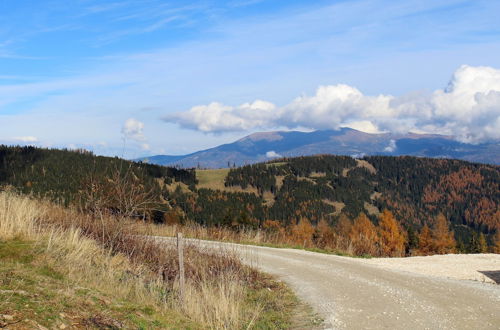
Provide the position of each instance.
(133, 129)
(25, 139)
(468, 108)
(391, 147)
(272, 154)
(363, 125)
(217, 117)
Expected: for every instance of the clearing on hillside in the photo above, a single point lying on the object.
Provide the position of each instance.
(212, 179)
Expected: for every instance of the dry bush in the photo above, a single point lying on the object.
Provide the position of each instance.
(121, 193)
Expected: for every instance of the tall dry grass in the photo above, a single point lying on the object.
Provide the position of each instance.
(340, 244)
(81, 258)
(194, 230)
(110, 254)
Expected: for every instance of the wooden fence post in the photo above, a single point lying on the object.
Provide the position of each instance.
(182, 281)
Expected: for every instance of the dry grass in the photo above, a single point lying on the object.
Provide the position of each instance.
(110, 255)
(279, 238)
(244, 236)
(212, 179)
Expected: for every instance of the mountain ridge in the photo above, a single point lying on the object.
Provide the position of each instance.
(263, 146)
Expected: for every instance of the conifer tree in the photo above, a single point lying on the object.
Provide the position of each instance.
(302, 232)
(325, 236)
(425, 241)
(364, 236)
(483, 245)
(496, 246)
(444, 242)
(343, 230)
(392, 240)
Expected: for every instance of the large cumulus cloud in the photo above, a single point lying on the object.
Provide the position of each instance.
(468, 108)
(217, 117)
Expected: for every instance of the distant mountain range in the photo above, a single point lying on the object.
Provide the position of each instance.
(264, 146)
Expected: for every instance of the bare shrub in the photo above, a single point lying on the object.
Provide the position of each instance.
(120, 193)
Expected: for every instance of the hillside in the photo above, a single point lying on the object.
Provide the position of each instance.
(81, 178)
(274, 196)
(60, 268)
(317, 188)
(259, 147)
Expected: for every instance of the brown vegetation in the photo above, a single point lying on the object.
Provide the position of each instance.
(352, 237)
(109, 253)
(392, 240)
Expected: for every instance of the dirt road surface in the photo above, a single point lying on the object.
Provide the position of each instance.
(351, 293)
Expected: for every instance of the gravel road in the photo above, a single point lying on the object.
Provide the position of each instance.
(350, 293)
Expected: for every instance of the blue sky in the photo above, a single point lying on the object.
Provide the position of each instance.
(177, 76)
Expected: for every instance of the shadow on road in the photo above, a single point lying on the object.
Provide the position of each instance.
(492, 274)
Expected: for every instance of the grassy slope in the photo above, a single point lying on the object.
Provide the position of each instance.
(34, 291)
(212, 179)
(55, 277)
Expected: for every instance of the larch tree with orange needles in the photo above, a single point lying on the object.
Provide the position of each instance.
(302, 232)
(392, 239)
(325, 235)
(496, 240)
(342, 231)
(444, 240)
(425, 241)
(364, 236)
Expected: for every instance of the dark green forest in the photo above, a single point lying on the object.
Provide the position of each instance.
(316, 188)
(70, 177)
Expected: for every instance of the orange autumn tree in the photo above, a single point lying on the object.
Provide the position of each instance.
(425, 241)
(325, 235)
(274, 230)
(342, 231)
(302, 232)
(444, 240)
(271, 225)
(392, 239)
(496, 246)
(363, 236)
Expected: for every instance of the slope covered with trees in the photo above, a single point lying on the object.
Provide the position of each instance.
(375, 205)
(79, 177)
(416, 192)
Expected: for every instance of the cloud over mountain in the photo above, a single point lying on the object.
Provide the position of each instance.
(217, 117)
(469, 108)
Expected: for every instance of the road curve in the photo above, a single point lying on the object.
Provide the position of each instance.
(350, 294)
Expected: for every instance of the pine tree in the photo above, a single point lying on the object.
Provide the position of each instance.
(483, 245)
(412, 243)
(392, 240)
